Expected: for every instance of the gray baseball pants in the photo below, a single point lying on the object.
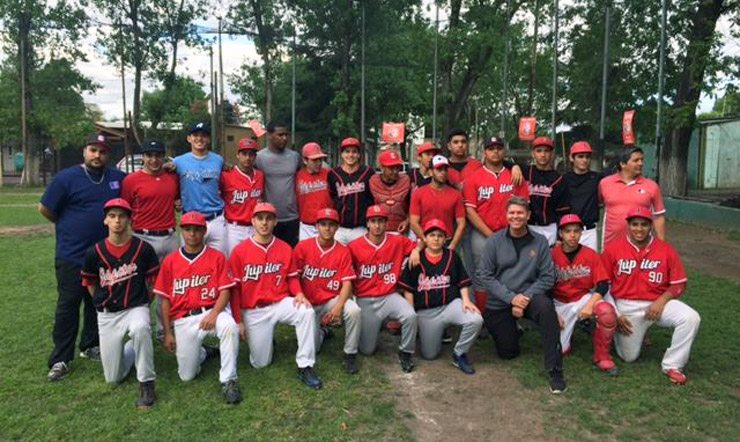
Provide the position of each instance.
(374, 310)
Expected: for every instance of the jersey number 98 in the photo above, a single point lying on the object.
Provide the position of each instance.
(389, 278)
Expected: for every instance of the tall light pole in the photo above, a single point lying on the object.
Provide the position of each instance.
(661, 85)
(362, 81)
(555, 69)
(292, 98)
(502, 131)
(436, 56)
(604, 79)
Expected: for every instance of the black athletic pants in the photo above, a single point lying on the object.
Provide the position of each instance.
(501, 324)
(288, 231)
(67, 316)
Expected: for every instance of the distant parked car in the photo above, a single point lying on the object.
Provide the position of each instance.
(129, 165)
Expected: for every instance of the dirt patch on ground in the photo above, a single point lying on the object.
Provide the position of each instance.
(708, 251)
(443, 404)
(40, 229)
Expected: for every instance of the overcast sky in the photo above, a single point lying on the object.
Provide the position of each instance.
(195, 63)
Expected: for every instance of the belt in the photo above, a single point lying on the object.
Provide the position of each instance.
(155, 232)
(589, 226)
(213, 215)
(109, 310)
(263, 304)
(197, 311)
(239, 223)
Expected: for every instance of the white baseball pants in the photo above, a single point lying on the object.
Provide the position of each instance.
(117, 357)
(375, 310)
(163, 246)
(351, 318)
(569, 313)
(549, 231)
(190, 352)
(260, 323)
(590, 238)
(346, 235)
(235, 234)
(306, 231)
(677, 315)
(432, 324)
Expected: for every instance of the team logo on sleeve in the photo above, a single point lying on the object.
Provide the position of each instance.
(252, 272)
(181, 285)
(310, 272)
(112, 277)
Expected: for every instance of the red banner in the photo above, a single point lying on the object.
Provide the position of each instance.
(628, 128)
(256, 128)
(394, 132)
(527, 126)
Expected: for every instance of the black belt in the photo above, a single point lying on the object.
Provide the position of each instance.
(197, 311)
(109, 310)
(589, 226)
(155, 232)
(213, 215)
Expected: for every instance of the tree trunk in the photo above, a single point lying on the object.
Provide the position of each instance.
(30, 174)
(447, 64)
(265, 44)
(533, 71)
(680, 124)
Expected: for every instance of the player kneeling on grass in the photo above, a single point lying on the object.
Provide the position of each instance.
(647, 277)
(323, 267)
(580, 284)
(194, 284)
(260, 266)
(116, 272)
(438, 288)
(378, 259)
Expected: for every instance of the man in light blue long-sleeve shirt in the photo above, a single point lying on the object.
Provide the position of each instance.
(517, 271)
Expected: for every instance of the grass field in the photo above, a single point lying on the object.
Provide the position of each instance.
(20, 208)
(639, 405)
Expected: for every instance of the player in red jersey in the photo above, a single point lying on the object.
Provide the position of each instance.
(260, 266)
(486, 194)
(242, 187)
(438, 288)
(647, 278)
(438, 200)
(461, 165)
(324, 269)
(378, 260)
(195, 287)
(154, 195)
(117, 273)
(580, 285)
(392, 191)
(312, 189)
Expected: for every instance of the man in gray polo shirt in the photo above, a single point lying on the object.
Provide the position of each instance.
(280, 164)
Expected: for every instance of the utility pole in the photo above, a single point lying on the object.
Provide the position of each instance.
(434, 94)
(24, 127)
(502, 131)
(127, 151)
(661, 85)
(213, 93)
(555, 69)
(604, 78)
(362, 81)
(221, 85)
(292, 98)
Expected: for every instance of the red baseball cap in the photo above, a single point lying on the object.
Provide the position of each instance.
(247, 144)
(543, 141)
(376, 210)
(435, 224)
(639, 212)
(264, 207)
(193, 219)
(117, 202)
(580, 147)
(570, 219)
(327, 213)
(427, 147)
(440, 161)
(349, 142)
(312, 151)
(390, 158)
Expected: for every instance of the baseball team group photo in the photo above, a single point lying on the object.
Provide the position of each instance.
(334, 242)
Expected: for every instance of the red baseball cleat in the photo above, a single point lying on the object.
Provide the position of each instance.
(676, 376)
(607, 366)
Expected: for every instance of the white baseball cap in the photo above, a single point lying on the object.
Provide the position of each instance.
(439, 161)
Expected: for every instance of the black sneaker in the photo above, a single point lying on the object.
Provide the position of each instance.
(350, 364)
(146, 395)
(446, 337)
(308, 376)
(231, 391)
(58, 371)
(463, 363)
(326, 334)
(211, 352)
(557, 382)
(407, 361)
(92, 353)
(587, 325)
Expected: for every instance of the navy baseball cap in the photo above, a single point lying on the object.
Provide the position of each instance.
(98, 140)
(152, 145)
(493, 141)
(200, 127)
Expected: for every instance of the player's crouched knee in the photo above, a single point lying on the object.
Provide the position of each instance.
(606, 316)
(140, 330)
(692, 319)
(230, 330)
